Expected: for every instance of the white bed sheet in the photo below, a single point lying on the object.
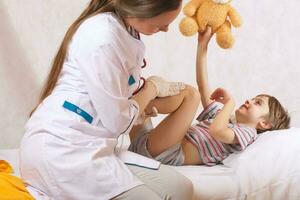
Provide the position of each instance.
(267, 170)
(215, 182)
(209, 182)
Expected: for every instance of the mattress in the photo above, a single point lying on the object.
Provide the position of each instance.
(209, 182)
(269, 169)
(215, 182)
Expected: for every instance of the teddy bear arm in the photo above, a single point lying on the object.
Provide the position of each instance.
(191, 7)
(234, 17)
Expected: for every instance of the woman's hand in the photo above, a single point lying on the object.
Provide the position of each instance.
(146, 114)
(164, 88)
(221, 95)
(204, 38)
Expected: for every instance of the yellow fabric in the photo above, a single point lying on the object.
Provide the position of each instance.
(5, 167)
(11, 187)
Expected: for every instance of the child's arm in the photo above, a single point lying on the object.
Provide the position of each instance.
(219, 127)
(201, 67)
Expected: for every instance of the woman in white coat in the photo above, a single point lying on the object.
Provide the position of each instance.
(89, 100)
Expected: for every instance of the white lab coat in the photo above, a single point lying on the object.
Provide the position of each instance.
(62, 155)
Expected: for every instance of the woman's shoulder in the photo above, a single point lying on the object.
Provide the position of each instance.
(104, 29)
(105, 21)
(99, 28)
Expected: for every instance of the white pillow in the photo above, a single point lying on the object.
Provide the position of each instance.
(270, 167)
(295, 118)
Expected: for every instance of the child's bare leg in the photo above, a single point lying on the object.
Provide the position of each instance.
(173, 128)
(164, 105)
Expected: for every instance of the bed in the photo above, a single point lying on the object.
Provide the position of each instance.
(268, 169)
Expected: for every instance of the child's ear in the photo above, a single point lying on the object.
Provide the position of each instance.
(264, 124)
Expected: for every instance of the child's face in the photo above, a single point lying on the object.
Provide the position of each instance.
(253, 112)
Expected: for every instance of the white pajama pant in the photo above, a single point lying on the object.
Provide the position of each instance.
(162, 184)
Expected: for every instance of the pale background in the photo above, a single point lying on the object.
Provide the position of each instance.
(265, 58)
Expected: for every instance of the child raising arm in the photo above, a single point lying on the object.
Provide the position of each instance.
(214, 137)
(219, 128)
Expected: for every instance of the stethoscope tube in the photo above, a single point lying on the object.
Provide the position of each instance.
(140, 87)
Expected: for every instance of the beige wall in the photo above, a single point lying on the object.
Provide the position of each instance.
(264, 59)
(30, 32)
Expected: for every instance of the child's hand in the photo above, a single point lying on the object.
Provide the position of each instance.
(221, 95)
(204, 37)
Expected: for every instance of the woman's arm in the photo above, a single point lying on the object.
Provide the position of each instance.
(157, 87)
(164, 105)
(145, 96)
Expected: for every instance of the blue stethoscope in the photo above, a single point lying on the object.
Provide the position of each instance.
(142, 79)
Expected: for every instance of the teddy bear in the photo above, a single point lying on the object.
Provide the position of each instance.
(213, 13)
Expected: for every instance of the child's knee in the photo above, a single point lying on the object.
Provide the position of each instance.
(192, 93)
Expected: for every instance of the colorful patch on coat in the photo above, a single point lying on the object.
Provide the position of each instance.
(71, 107)
(131, 80)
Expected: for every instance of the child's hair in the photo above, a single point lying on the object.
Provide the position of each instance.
(278, 115)
(123, 8)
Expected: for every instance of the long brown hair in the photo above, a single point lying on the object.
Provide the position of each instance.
(124, 8)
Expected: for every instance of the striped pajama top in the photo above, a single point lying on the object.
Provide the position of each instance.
(210, 150)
